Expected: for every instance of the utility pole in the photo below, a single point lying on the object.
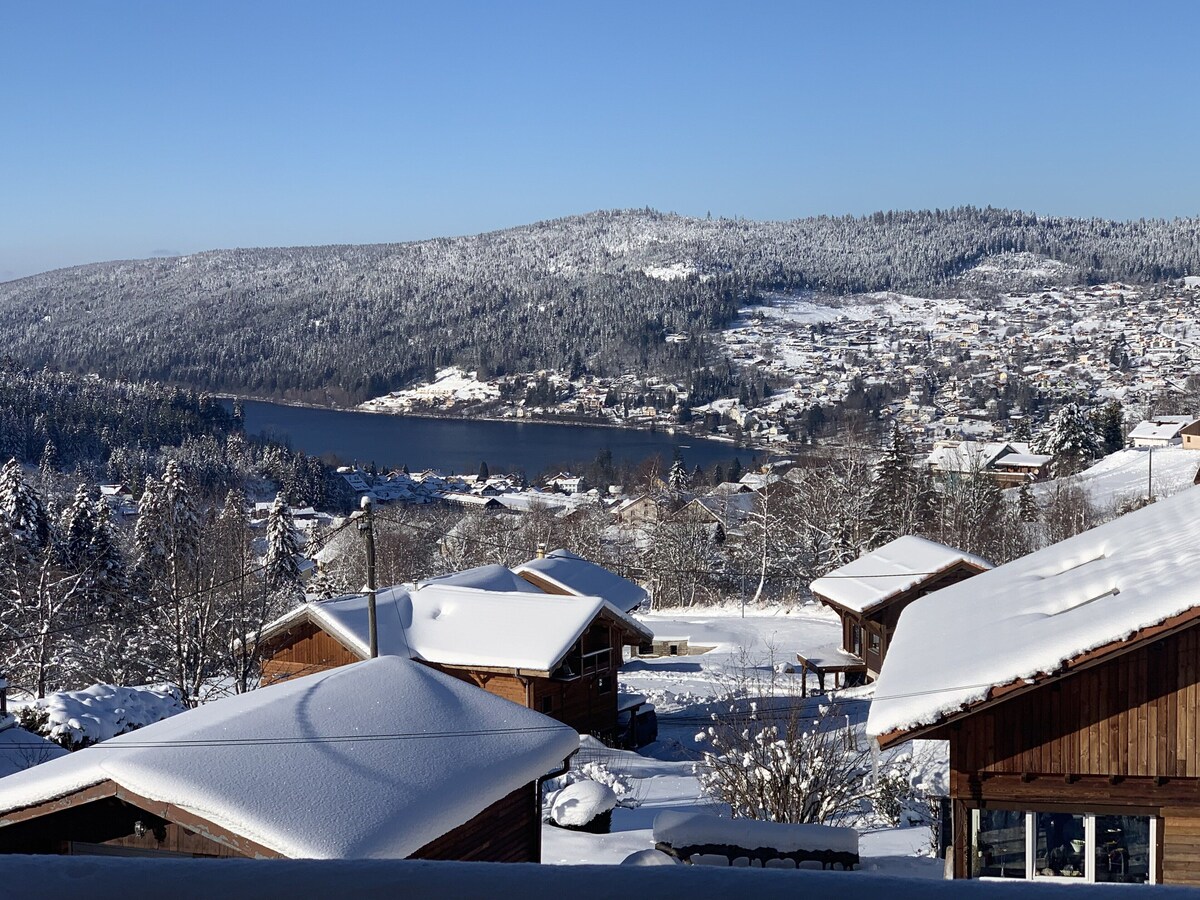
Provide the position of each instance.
(367, 527)
(1150, 477)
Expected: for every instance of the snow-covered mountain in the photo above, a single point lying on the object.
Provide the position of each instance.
(348, 322)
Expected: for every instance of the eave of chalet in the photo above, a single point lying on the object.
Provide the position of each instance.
(1016, 687)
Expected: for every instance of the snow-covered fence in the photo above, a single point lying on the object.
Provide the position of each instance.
(704, 839)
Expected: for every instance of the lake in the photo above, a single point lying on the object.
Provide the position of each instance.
(459, 445)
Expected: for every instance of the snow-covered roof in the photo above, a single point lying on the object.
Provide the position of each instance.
(461, 626)
(322, 766)
(1035, 460)
(967, 456)
(1028, 617)
(488, 578)
(892, 569)
(21, 749)
(578, 576)
(1164, 428)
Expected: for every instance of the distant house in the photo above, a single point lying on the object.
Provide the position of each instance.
(1008, 463)
(320, 767)
(567, 483)
(1161, 431)
(562, 572)
(1067, 684)
(641, 510)
(1190, 436)
(870, 593)
(557, 655)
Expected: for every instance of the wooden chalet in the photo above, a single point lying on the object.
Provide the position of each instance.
(1067, 684)
(320, 767)
(558, 655)
(870, 593)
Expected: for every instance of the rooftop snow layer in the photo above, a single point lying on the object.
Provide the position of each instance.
(576, 575)
(897, 566)
(463, 626)
(399, 781)
(1030, 616)
(488, 578)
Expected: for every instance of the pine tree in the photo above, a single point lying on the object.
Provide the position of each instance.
(1110, 423)
(899, 500)
(21, 509)
(1027, 507)
(88, 547)
(678, 479)
(283, 546)
(484, 473)
(1070, 438)
(735, 470)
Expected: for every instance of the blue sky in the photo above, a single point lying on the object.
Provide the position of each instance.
(133, 129)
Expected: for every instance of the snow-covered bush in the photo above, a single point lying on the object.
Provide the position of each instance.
(581, 804)
(77, 719)
(780, 761)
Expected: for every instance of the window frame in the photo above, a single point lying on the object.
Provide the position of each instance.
(1089, 852)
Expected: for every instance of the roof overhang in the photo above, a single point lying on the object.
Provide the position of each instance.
(166, 811)
(1086, 660)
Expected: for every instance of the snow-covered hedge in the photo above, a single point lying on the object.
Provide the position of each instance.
(76, 719)
(701, 838)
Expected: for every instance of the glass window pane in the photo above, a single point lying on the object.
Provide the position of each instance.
(1060, 845)
(1123, 849)
(998, 845)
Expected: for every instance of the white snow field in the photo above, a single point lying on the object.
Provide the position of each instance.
(1128, 475)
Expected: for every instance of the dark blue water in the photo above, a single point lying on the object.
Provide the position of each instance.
(460, 445)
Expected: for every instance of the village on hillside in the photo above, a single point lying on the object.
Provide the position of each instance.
(945, 368)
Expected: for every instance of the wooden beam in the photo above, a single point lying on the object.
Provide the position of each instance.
(201, 826)
(58, 804)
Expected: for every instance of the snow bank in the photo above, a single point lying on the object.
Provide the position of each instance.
(579, 803)
(374, 759)
(1028, 617)
(20, 749)
(103, 711)
(650, 858)
(691, 829)
(110, 878)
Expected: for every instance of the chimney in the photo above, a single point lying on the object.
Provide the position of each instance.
(541, 550)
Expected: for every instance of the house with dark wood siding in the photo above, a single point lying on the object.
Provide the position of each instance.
(870, 593)
(320, 767)
(1067, 685)
(558, 655)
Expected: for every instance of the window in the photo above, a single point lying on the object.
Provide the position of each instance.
(604, 684)
(1062, 846)
(873, 641)
(547, 704)
(1122, 851)
(998, 848)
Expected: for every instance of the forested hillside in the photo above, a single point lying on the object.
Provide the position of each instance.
(342, 323)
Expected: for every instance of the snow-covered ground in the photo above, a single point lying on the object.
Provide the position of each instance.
(449, 386)
(684, 691)
(1126, 475)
